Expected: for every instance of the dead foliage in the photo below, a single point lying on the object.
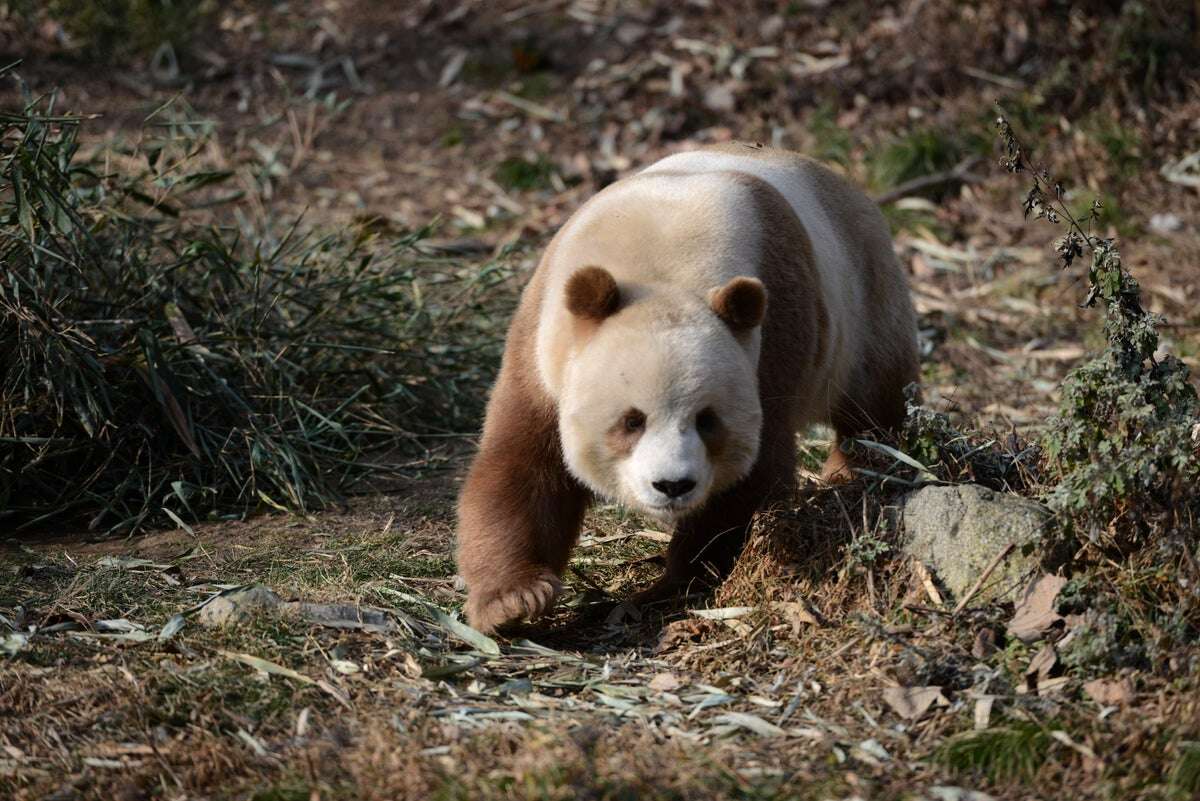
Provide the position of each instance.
(825, 667)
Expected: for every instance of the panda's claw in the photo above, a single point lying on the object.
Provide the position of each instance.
(489, 610)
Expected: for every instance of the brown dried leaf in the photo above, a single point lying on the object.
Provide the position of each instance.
(1038, 672)
(985, 643)
(684, 631)
(920, 267)
(665, 682)
(799, 614)
(913, 702)
(1035, 612)
(1110, 692)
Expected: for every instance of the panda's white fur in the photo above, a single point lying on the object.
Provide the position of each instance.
(797, 181)
(670, 364)
(651, 232)
(616, 393)
(671, 234)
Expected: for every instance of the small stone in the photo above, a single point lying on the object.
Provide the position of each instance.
(1165, 223)
(237, 606)
(957, 530)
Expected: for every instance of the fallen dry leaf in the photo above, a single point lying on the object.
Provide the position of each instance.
(799, 614)
(665, 682)
(1035, 612)
(750, 722)
(1043, 662)
(684, 631)
(985, 643)
(913, 702)
(1052, 686)
(952, 793)
(983, 711)
(1110, 692)
(1037, 675)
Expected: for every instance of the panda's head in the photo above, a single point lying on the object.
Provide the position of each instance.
(659, 406)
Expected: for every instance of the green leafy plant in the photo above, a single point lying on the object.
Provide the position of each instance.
(954, 456)
(1124, 448)
(866, 547)
(154, 369)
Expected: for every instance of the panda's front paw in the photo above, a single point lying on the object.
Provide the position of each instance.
(489, 608)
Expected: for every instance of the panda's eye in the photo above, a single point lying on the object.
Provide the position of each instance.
(633, 421)
(707, 421)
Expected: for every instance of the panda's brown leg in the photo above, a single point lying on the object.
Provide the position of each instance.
(704, 546)
(519, 512)
(836, 469)
(877, 410)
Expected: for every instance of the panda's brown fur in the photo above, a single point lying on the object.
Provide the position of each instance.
(521, 508)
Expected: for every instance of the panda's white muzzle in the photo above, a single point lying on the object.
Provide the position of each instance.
(668, 474)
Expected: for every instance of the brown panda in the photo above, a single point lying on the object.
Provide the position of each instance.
(679, 330)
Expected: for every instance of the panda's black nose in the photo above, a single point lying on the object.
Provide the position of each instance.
(673, 489)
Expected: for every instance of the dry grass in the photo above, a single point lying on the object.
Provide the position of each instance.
(773, 686)
(780, 696)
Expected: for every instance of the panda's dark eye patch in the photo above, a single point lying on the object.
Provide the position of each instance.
(625, 432)
(707, 421)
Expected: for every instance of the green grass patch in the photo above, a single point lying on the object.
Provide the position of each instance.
(520, 174)
(1122, 145)
(901, 218)
(1005, 753)
(914, 154)
(284, 792)
(1185, 774)
(831, 142)
(112, 30)
(224, 693)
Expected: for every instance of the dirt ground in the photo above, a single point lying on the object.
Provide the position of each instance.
(493, 121)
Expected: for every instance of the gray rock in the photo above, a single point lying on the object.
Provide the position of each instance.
(341, 616)
(234, 607)
(956, 531)
(241, 605)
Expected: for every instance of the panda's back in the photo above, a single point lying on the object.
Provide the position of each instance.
(690, 230)
(693, 221)
(826, 207)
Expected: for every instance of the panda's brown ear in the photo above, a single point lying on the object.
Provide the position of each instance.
(592, 294)
(741, 303)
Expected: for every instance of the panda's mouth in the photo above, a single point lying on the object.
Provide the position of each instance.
(674, 508)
